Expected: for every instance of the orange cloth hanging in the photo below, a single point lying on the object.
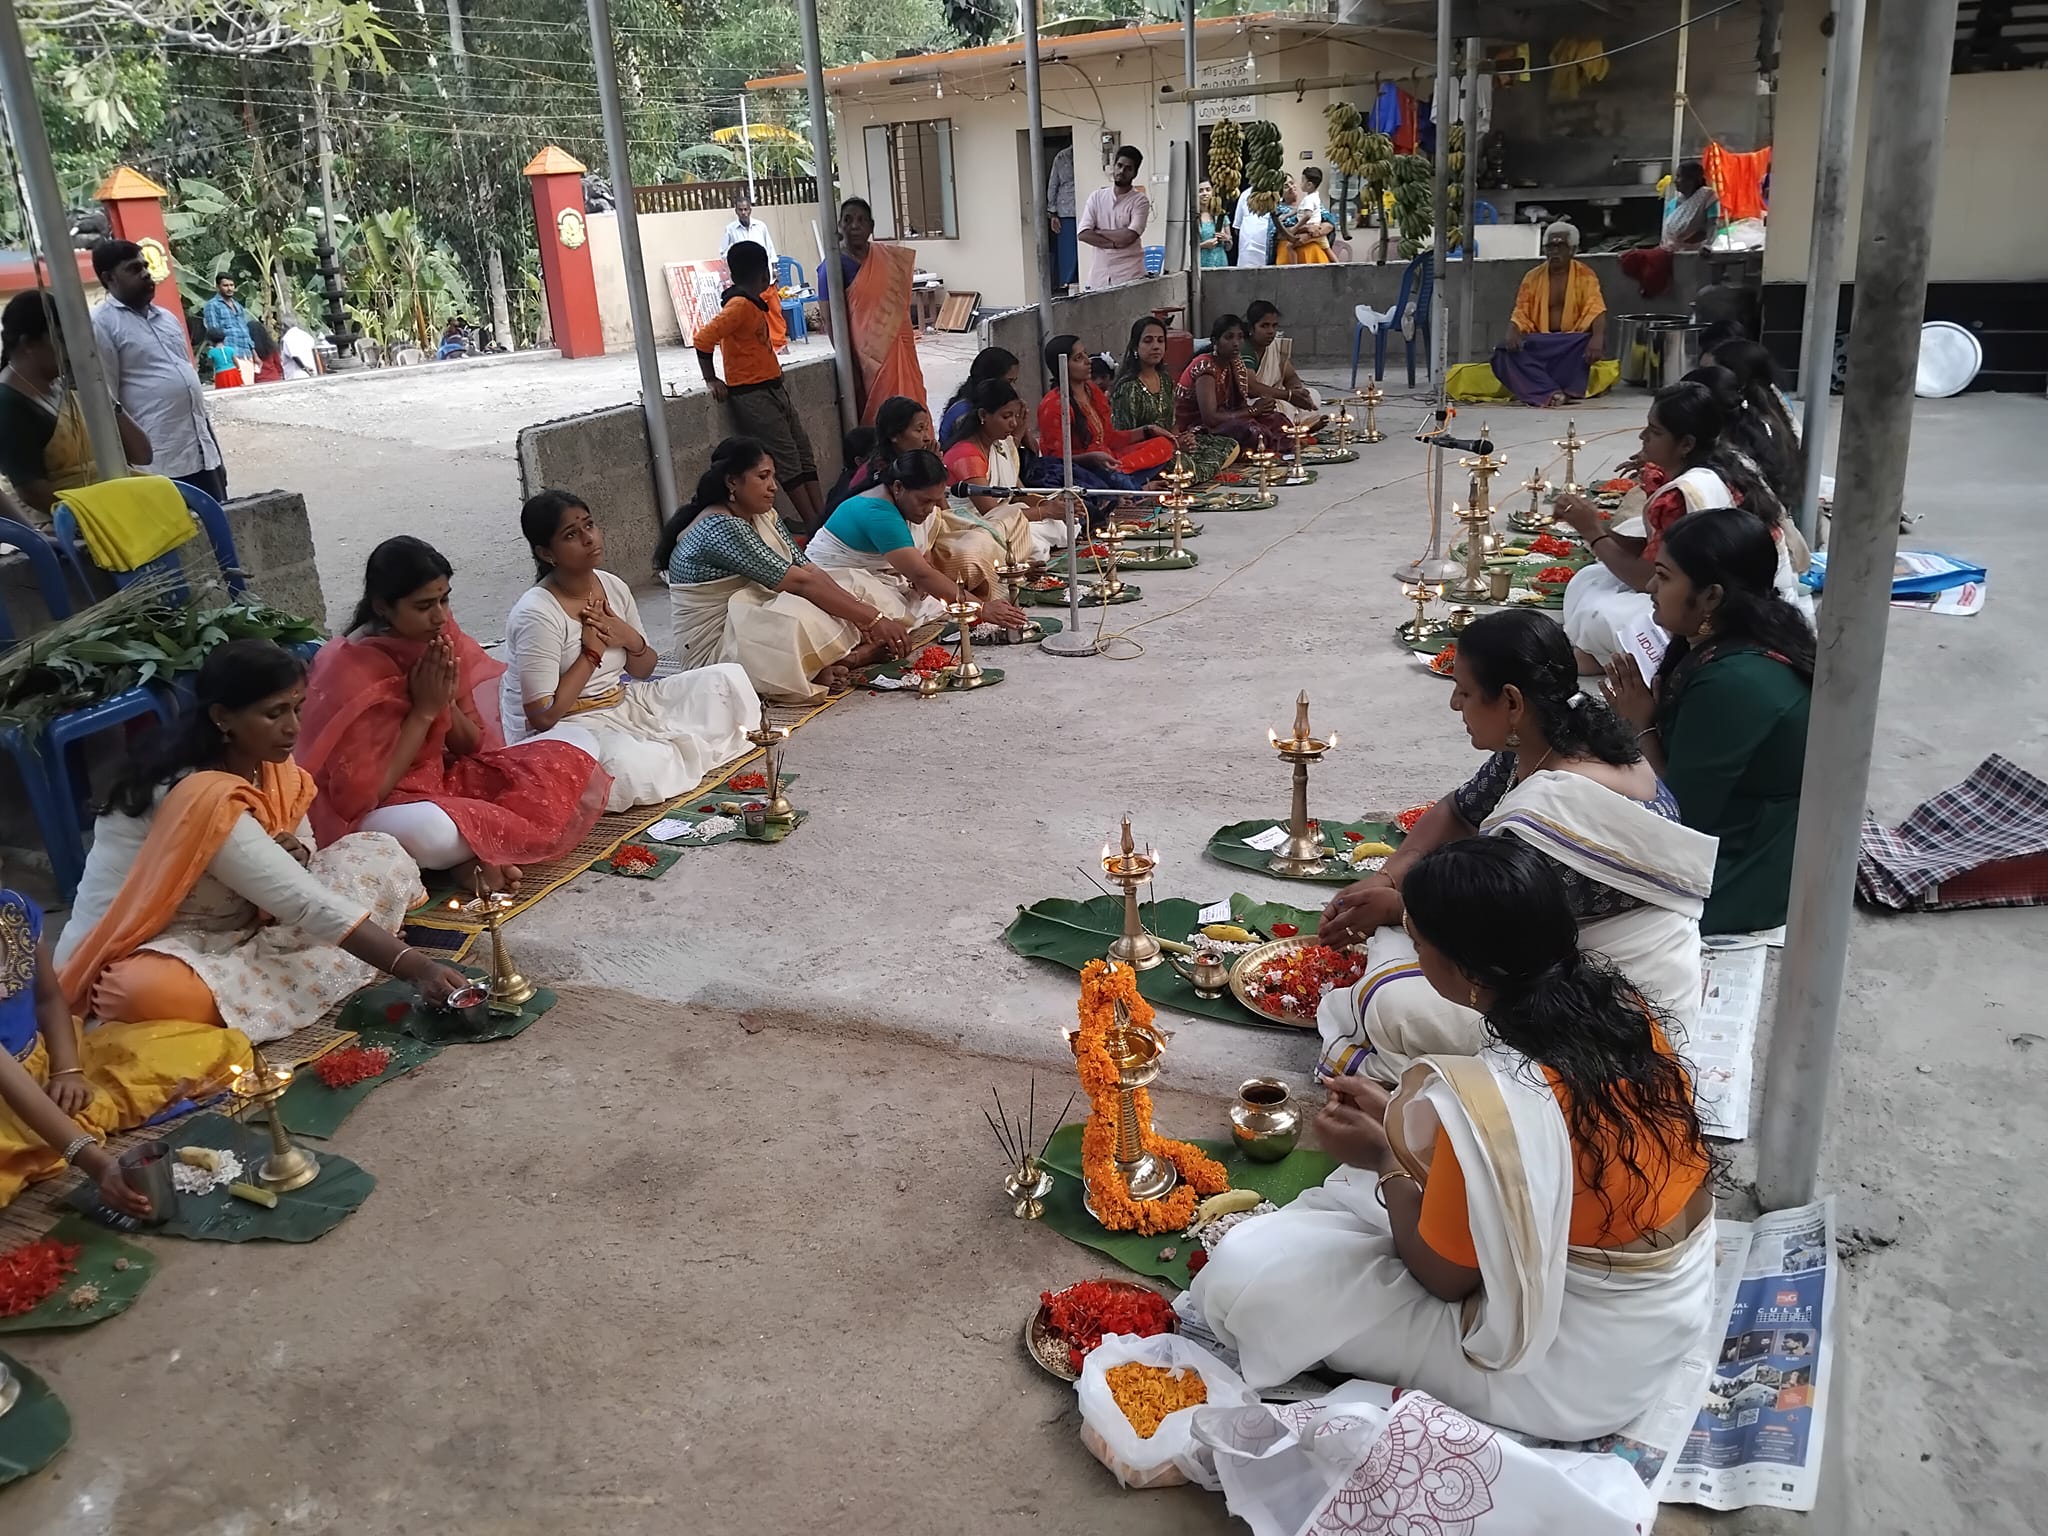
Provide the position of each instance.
(1738, 180)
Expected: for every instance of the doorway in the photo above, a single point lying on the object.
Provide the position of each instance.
(1065, 251)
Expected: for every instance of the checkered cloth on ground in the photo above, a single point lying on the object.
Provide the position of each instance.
(1983, 843)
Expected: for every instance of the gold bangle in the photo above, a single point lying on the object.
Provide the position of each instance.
(67, 1072)
(1379, 1190)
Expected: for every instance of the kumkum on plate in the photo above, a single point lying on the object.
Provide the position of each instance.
(1048, 1347)
(1250, 966)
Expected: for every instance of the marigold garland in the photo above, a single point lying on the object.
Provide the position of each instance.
(1103, 985)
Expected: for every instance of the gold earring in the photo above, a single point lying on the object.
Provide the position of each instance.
(1514, 738)
(1472, 998)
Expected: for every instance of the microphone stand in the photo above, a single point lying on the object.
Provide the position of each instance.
(1070, 641)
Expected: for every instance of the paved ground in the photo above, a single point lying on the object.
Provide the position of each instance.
(932, 823)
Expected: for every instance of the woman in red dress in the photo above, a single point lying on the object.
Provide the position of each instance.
(401, 734)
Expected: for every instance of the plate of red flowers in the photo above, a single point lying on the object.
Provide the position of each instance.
(1071, 1322)
(1285, 981)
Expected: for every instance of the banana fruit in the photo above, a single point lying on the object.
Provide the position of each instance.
(1226, 161)
(1229, 1203)
(1228, 933)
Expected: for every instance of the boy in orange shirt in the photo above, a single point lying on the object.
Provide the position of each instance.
(752, 388)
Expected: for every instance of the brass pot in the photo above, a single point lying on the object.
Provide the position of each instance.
(1208, 971)
(1264, 1121)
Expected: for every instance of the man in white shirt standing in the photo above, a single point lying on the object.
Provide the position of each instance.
(1113, 224)
(148, 363)
(1059, 208)
(744, 228)
(1254, 233)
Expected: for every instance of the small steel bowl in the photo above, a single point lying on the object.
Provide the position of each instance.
(471, 1005)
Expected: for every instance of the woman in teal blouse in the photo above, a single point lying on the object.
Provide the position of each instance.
(1726, 727)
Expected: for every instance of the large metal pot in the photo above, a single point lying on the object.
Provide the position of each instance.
(1678, 350)
(1632, 346)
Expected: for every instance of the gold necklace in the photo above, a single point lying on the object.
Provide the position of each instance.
(1524, 777)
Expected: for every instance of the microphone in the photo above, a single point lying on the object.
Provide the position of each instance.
(966, 489)
(1462, 444)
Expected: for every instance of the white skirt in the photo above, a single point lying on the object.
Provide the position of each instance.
(667, 735)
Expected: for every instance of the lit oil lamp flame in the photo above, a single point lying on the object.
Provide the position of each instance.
(1272, 737)
(1333, 739)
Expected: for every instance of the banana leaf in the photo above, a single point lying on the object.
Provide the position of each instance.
(1071, 933)
(1303, 1168)
(1227, 846)
(98, 1249)
(35, 1429)
(311, 1108)
(394, 1005)
(301, 1215)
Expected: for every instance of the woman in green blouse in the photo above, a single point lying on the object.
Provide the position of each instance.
(740, 589)
(1141, 395)
(1726, 727)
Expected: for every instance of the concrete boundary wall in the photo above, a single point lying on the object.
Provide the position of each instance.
(1318, 304)
(1100, 317)
(602, 456)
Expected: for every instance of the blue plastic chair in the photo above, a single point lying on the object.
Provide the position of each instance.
(1155, 260)
(1427, 269)
(790, 275)
(206, 512)
(51, 773)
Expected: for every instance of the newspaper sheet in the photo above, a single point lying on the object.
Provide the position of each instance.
(1722, 1044)
(1757, 1438)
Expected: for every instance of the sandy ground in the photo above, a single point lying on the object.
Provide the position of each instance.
(932, 823)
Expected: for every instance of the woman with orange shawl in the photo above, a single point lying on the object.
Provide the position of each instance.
(204, 897)
(1557, 339)
(402, 735)
(878, 281)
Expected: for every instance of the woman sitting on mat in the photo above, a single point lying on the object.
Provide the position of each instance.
(1726, 726)
(985, 451)
(1100, 450)
(1213, 395)
(1142, 396)
(1271, 377)
(740, 590)
(206, 897)
(579, 651)
(1687, 465)
(881, 546)
(401, 733)
(61, 1094)
(1526, 1234)
(989, 363)
(1566, 777)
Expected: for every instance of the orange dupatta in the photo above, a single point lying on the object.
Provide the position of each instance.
(191, 823)
(878, 310)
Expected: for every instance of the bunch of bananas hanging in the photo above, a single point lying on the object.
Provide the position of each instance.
(1226, 161)
(1413, 189)
(1265, 165)
(1455, 161)
(1355, 149)
(1580, 62)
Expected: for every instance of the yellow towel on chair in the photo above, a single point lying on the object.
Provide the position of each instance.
(131, 521)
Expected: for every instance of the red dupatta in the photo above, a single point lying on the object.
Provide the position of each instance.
(513, 805)
(1092, 430)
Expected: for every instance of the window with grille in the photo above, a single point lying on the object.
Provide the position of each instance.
(910, 180)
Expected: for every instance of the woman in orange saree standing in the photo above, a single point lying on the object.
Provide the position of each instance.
(402, 735)
(205, 896)
(878, 283)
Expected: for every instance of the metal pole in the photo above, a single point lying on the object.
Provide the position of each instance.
(746, 142)
(1439, 244)
(53, 233)
(601, 55)
(1824, 258)
(1070, 641)
(1902, 164)
(1034, 112)
(1678, 88)
(828, 209)
(1468, 292)
(1194, 182)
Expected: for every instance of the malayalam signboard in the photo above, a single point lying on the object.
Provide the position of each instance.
(1239, 72)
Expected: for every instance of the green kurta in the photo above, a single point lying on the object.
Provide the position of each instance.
(1132, 405)
(1735, 749)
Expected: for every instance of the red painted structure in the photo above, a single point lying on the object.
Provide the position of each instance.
(559, 217)
(135, 210)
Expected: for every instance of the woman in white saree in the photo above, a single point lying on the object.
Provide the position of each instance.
(1567, 778)
(1526, 1234)
(740, 590)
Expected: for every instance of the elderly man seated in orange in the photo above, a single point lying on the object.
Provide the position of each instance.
(1557, 339)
